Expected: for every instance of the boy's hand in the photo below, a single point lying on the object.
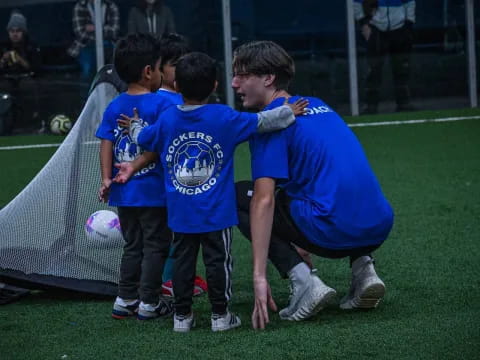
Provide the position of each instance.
(126, 121)
(125, 172)
(298, 107)
(104, 190)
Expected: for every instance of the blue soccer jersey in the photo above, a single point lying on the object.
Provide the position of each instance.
(196, 147)
(146, 187)
(174, 97)
(337, 201)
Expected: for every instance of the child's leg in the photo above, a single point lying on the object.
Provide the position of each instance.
(168, 268)
(185, 262)
(216, 248)
(131, 263)
(156, 245)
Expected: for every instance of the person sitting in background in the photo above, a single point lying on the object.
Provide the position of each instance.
(19, 61)
(151, 16)
(83, 47)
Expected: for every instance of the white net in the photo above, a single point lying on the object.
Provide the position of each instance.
(42, 229)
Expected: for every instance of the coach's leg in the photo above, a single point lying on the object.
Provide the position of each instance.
(281, 253)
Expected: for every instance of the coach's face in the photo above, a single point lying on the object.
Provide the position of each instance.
(252, 89)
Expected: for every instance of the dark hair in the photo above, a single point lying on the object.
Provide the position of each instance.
(195, 76)
(173, 46)
(263, 58)
(132, 53)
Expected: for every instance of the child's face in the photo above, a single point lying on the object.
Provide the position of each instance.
(169, 74)
(156, 77)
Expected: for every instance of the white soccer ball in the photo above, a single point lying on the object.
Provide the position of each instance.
(103, 229)
(60, 124)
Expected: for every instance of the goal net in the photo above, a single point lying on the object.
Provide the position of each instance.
(42, 238)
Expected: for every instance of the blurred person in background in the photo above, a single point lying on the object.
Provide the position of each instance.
(19, 61)
(386, 26)
(83, 47)
(151, 16)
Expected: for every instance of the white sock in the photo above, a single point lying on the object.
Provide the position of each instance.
(123, 302)
(300, 273)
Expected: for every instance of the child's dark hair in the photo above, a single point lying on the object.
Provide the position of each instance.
(173, 47)
(132, 53)
(195, 75)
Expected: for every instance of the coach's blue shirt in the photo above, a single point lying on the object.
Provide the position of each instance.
(336, 199)
(145, 188)
(197, 146)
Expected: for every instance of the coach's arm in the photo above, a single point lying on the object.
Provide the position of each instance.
(262, 209)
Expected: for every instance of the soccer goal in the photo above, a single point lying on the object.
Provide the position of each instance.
(42, 237)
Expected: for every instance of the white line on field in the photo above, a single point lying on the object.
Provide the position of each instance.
(408, 122)
(36, 146)
(380, 123)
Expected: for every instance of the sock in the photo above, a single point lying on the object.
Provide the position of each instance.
(124, 302)
(359, 264)
(299, 273)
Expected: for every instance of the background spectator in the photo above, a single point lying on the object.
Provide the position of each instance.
(83, 47)
(151, 16)
(19, 60)
(387, 28)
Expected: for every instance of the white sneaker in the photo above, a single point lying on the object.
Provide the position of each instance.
(225, 322)
(367, 289)
(307, 299)
(183, 323)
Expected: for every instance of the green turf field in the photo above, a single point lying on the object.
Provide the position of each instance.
(430, 264)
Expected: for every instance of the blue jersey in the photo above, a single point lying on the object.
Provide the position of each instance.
(196, 147)
(175, 98)
(146, 187)
(336, 199)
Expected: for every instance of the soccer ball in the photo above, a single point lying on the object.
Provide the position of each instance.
(103, 229)
(60, 124)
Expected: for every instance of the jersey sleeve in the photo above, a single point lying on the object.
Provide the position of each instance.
(242, 124)
(106, 129)
(148, 137)
(269, 156)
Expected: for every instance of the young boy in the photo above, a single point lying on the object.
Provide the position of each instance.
(196, 143)
(140, 202)
(173, 47)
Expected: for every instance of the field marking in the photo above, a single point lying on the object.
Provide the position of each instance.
(36, 146)
(408, 122)
(379, 123)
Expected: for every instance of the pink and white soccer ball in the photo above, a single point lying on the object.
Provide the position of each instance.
(103, 229)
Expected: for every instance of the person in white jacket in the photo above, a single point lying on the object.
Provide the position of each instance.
(387, 26)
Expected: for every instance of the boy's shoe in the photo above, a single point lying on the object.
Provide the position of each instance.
(122, 309)
(183, 323)
(164, 308)
(199, 287)
(367, 289)
(167, 288)
(307, 299)
(225, 322)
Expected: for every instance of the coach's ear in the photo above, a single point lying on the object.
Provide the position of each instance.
(268, 80)
(215, 86)
(147, 72)
(175, 86)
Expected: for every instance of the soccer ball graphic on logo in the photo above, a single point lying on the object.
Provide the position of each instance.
(60, 124)
(194, 163)
(103, 229)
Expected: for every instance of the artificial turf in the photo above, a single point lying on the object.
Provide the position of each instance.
(431, 175)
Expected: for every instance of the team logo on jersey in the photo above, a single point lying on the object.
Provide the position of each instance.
(194, 163)
(125, 150)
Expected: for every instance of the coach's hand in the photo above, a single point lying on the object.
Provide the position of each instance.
(263, 296)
